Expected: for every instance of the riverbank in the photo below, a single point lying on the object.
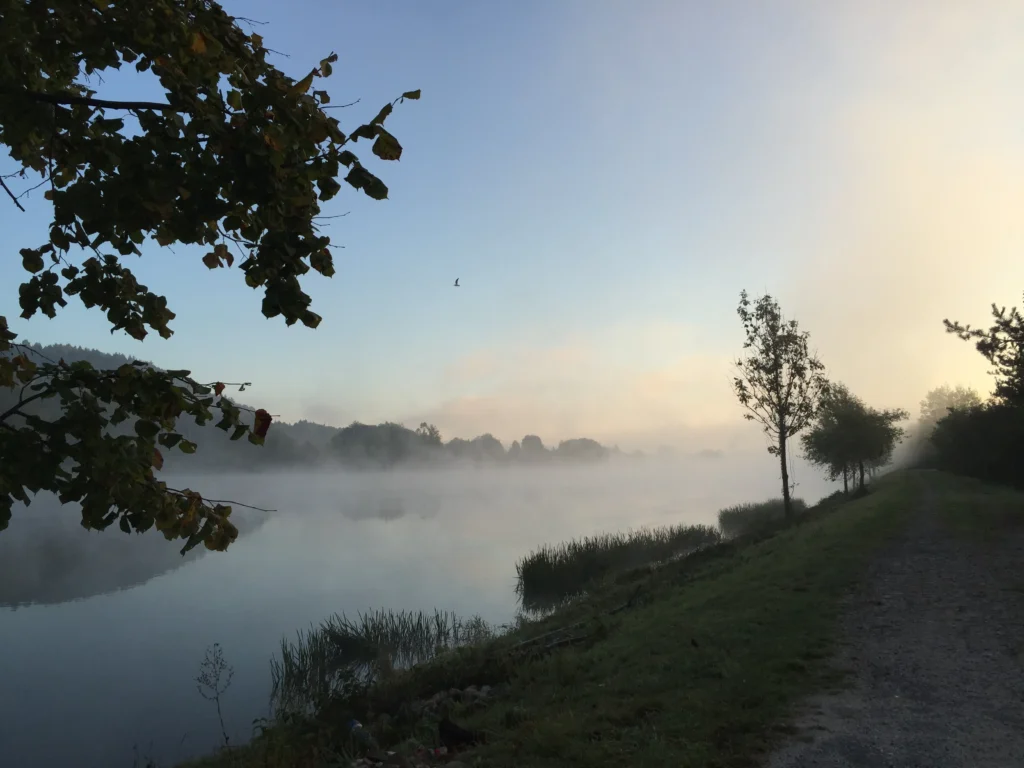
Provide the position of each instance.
(695, 663)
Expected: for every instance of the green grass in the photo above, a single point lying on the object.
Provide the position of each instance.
(703, 670)
(752, 518)
(555, 573)
(974, 508)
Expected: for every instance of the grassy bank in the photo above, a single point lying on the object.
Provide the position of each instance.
(693, 664)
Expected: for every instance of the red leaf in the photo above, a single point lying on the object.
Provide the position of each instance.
(262, 423)
(218, 388)
(158, 459)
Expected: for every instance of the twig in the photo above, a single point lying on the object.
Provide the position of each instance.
(340, 106)
(11, 195)
(225, 501)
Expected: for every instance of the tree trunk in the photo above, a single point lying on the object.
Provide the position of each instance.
(846, 479)
(787, 503)
(861, 475)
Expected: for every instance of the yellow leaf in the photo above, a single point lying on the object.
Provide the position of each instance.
(303, 85)
(198, 43)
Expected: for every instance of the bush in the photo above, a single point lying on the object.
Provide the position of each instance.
(985, 442)
(752, 518)
(556, 573)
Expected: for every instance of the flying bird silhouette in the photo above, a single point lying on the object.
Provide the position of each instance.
(456, 282)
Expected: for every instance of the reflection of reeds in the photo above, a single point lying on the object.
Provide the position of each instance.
(555, 573)
(327, 661)
(751, 518)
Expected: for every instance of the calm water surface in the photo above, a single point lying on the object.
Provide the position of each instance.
(102, 634)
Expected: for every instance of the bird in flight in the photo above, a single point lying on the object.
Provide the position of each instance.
(456, 282)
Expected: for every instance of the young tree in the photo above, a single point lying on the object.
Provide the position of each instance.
(779, 382)
(830, 443)
(881, 433)
(232, 155)
(1003, 346)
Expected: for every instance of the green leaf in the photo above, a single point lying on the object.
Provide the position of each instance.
(235, 100)
(147, 429)
(31, 260)
(360, 178)
(368, 131)
(383, 114)
(386, 147)
(186, 446)
(169, 439)
(414, 95)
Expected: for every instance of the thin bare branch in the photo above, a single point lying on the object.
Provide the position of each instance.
(11, 195)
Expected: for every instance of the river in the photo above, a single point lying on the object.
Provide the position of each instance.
(102, 634)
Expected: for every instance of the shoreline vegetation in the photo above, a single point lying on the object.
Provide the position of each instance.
(677, 639)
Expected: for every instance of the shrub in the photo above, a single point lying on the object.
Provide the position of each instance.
(754, 517)
(985, 442)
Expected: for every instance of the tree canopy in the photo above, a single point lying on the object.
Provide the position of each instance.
(850, 437)
(1002, 344)
(234, 157)
(779, 382)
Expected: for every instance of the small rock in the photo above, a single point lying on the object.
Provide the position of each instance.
(455, 694)
(485, 690)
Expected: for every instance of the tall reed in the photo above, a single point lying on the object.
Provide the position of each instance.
(555, 573)
(750, 518)
(332, 660)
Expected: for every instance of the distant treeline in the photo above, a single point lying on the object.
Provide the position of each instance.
(307, 444)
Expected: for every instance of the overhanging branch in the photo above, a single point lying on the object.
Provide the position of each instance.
(70, 99)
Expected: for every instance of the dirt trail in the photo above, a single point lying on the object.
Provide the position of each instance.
(934, 640)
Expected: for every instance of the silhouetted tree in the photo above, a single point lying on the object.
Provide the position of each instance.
(831, 442)
(430, 434)
(532, 448)
(1003, 346)
(849, 436)
(779, 382)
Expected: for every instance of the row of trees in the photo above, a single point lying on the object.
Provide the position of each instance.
(782, 385)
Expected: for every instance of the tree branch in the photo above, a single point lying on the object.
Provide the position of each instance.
(11, 195)
(16, 408)
(176, 492)
(70, 99)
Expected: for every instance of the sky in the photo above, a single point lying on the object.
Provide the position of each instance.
(604, 178)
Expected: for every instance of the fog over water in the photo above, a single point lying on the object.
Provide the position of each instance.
(104, 632)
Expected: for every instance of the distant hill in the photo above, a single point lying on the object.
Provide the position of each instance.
(307, 444)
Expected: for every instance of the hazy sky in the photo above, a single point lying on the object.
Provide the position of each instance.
(604, 177)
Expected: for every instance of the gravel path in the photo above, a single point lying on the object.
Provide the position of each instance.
(935, 641)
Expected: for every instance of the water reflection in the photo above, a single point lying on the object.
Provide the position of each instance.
(47, 557)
